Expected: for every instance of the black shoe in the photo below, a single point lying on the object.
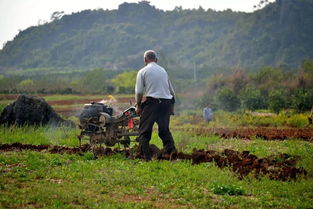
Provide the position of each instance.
(170, 150)
(147, 159)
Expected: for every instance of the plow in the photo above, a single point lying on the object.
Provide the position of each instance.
(101, 128)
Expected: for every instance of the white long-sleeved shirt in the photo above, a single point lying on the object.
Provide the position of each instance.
(153, 80)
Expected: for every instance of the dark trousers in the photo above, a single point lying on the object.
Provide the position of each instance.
(159, 111)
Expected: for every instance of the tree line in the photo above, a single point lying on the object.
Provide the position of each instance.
(268, 88)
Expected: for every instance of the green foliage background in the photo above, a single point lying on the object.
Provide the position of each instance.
(278, 35)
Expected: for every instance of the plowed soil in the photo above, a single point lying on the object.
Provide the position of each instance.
(277, 167)
(248, 133)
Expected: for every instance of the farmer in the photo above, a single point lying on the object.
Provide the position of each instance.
(207, 113)
(158, 105)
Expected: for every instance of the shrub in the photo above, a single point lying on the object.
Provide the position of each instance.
(298, 121)
(252, 99)
(227, 100)
(125, 82)
(278, 100)
(94, 81)
(302, 99)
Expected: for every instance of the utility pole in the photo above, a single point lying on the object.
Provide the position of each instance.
(194, 72)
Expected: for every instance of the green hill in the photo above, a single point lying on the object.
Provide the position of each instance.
(278, 35)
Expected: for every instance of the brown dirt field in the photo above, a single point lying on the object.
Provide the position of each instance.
(14, 96)
(71, 102)
(8, 96)
(265, 133)
(86, 101)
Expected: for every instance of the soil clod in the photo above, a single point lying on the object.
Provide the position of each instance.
(31, 110)
(277, 167)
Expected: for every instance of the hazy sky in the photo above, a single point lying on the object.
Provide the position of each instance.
(18, 15)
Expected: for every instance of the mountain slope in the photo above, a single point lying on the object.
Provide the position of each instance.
(279, 34)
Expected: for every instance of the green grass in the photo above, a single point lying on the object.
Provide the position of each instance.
(39, 135)
(2, 106)
(60, 97)
(43, 180)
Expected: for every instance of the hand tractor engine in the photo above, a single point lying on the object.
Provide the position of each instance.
(98, 123)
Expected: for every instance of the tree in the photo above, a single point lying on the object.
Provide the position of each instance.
(95, 81)
(26, 85)
(214, 83)
(302, 99)
(125, 82)
(238, 80)
(267, 78)
(56, 15)
(261, 4)
(305, 76)
(278, 100)
(252, 99)
(227, 100)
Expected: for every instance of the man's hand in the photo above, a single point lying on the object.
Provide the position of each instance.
(138, 110)
(138, 101)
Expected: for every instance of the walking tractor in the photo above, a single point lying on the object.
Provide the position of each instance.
(102, 128)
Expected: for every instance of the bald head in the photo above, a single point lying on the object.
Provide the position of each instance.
(150, 56)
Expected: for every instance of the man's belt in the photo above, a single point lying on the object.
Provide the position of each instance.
(160, 99)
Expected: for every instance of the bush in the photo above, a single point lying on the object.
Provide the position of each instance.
(252, 99)
(302, 99)
(227, 100)
(94, 81)
(278, 100)
(298, 121)
(125, 82)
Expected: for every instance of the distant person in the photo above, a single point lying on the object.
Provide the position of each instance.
(160, 98)
(207, 113)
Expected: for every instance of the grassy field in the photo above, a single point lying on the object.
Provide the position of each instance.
(31, 179)
(43, 180)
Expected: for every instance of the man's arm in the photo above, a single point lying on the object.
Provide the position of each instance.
(138, 102)
(173, 94)
(171, 89)
(139, 99)
(139, 92)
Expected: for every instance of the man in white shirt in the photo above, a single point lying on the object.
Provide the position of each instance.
(158, 106)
